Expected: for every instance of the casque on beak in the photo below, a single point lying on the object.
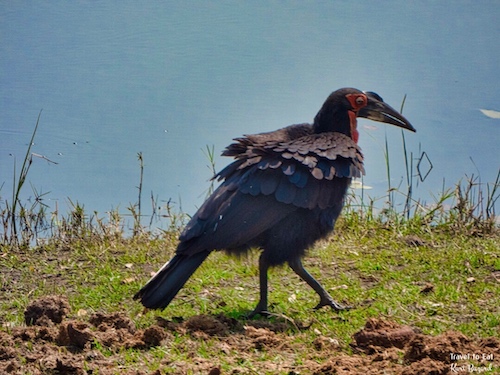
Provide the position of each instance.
(377, 110)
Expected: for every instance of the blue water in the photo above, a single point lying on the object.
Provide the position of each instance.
(169, 78)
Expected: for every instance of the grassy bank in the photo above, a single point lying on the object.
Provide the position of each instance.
(434, 280)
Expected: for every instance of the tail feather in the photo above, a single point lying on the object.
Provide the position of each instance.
(163, 287)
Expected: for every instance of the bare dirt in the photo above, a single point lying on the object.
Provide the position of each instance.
(52, 343)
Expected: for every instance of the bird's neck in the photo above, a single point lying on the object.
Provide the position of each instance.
(353, 125)
(344, 122)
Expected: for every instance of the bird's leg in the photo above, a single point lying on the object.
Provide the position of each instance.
(325, 298)
(262, 305)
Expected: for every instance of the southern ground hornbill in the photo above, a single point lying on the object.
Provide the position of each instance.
(283, 192)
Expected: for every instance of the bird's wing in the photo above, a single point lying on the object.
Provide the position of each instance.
(295, 171)
(269, 179)
(229, 219)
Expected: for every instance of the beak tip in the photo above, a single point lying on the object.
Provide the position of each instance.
(410, 127)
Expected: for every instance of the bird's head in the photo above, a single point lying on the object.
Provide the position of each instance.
(344, 106)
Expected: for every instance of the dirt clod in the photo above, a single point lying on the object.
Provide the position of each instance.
(46, 310)
(75, 334)
(153, 336)
(263, 338)
(383, 334)
(437, 348)
(214, 371)
(116, 321)
(207, 324)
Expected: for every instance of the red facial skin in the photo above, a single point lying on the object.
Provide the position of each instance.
(357, 101)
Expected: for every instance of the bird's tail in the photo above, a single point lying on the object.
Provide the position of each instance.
(162, 287)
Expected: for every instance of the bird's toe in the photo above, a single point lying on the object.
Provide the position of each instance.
(333, 304)
(259, 310)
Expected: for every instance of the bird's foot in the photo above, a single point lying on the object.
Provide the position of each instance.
(329, 301)
(261, 309)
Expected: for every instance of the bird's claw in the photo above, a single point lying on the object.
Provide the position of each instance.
(263, 313)
(333, 304)
(261, 309)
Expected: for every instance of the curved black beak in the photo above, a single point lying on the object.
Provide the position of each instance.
(377, 110)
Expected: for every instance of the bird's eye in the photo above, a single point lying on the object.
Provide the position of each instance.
(357, 101)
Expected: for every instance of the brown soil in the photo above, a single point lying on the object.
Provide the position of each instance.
(51, 343)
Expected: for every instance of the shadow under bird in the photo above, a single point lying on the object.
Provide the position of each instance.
(282, 193)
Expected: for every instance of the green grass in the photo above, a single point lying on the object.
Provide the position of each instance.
(377, 270)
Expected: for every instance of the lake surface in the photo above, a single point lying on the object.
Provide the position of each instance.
(169, 79)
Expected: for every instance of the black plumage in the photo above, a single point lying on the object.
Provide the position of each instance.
(283, 192)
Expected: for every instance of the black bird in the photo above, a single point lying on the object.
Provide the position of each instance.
(283, 192)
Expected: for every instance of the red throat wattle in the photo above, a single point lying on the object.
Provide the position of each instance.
(353, 122)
